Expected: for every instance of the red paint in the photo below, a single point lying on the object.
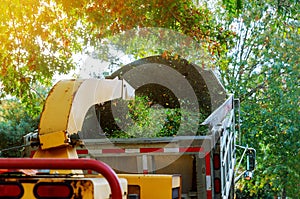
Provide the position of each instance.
(217, 163)
(190, 149)
(53, 190)
(208, 194)
(145, 172)
(62, 163)
(208, 173)
(151, 150)
(207, 164)
(82, 151)
(217, 185)
(11, 190)
(32, 153)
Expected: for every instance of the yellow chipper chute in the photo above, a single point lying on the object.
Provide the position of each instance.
(65, 109)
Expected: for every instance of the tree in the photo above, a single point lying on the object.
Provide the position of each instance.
(15, 122)
(39, 38)
(263, 73)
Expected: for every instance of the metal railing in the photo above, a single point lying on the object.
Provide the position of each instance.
(61, 164)
(227, 155)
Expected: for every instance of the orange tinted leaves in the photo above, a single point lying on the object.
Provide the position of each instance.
(176, 56)
(66, 42)
(25, 80)
(44, 35)
(3, 70)
(31, 63)
(32, 67)
(165, 55)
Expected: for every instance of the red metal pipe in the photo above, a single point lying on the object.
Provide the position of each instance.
(62, 164)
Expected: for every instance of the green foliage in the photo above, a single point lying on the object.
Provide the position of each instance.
(15, 122)
(233, 6)
(264, 74)
(39, 38)
(156, 121)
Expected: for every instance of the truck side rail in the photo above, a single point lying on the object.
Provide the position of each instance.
(155, 146)
(217, 116)
(227, 151)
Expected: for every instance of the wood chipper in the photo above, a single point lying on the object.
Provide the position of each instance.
(79, 117)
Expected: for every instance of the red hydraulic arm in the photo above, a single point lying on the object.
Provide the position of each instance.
(61, 163)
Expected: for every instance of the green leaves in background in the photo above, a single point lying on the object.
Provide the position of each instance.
(264, 73)
(15, 122)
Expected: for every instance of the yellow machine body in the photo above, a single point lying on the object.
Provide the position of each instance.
(149, 186)
(84, 188)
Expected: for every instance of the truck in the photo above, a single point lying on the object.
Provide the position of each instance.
(75, 154)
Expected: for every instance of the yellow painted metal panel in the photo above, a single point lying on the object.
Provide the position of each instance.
(153, 186)
(54, 117)
(54, 139)
(67, 104)
(28, 190)
(84, 188)
(63, 152)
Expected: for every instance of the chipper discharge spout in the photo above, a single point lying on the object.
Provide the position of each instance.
(65, 109)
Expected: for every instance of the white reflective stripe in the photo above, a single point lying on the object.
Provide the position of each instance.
(171, 150)
(144, 150)
(145, 163)
(132, 150)
(208, 182)
(96, 151)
